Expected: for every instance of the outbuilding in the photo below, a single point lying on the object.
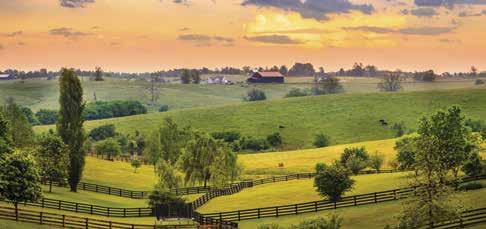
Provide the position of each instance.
(266, 77)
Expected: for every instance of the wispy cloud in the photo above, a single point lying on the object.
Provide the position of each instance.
(14, 34)
(274, 39)
(448, 3)
(317, 9)
(424, 31)
(205, 40)
(67, 32)
(75, 3)
(424, 12)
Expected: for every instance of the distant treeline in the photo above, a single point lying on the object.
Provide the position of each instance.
(93, 111)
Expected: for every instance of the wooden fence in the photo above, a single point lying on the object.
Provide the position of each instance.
(198, 189)
(468, 218)
(90, 209)
(314, 206)
(66, 221)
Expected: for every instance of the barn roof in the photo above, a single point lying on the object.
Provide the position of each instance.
(270, 74)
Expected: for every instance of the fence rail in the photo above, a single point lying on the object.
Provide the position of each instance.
(90, 209)
(314, 206)
(468, 218)
(66, 221)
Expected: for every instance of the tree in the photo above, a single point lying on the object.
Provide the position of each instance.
(52, 159)
(195, 77)
(283, 70)
(172, 140)
(109, 147)
(376, 160)
(332, 181)
(5, 137)
(300, 69)
(355, 159)
(203, 155)
(321, 140)
(30, 116)
(186, 76)
(161, 196)
(225, 168)
(136, 164)
(153, 90)
(102, 132)
(21, 130)
(474, 71)
(275, 139)
(406, 149)
(427, 76)
(46, 117)
(255, 94)
(98, 74)
(390, 83)
(70, 124)
(474, 166)
(327, 85)
(19, 179)
(152, 151)
(168, 176)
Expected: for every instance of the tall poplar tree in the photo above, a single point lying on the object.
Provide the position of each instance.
(70, 124)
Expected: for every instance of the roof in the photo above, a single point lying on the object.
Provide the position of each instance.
(270, 74)
(4, 75)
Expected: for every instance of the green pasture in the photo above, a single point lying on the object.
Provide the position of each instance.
(367, 216)
(346, 118)
(298, 191)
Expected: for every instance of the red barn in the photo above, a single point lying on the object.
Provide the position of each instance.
(266, 77)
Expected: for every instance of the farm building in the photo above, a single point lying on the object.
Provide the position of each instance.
(218, 80)
(6, 77)
(266, 77)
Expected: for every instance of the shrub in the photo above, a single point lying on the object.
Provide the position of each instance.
(355, 159)
(376, 160)
(399, 129)
(275, 139)
(470, 186)
(321, 140)
(255, 94)
(474, 166)
(164, 108)
(226, 136)
(29, 115)
(320, 223)
(112, 109)
(164, 197)
(332, 181)
(479, 82)
(255, 144)
(102, 132)
(46, 117)
(296, 92)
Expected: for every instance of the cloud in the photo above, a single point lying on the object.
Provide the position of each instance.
(448, 3)
(424, 12)
(273, 39)
(423, 31)
(184, 29)
(184, 2)
(316, 9)
(14, 34)
(75, 3)
(469, 14)
(445, 40)
(296, 31)
(67, 32)
(205, 40)
(2, 47)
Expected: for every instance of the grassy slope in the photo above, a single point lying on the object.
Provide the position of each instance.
(297, 191)
(367, 216)
(345, 118)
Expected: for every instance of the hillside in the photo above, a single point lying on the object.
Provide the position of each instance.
(345, 118)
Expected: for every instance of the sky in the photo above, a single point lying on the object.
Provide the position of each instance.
(150, 35)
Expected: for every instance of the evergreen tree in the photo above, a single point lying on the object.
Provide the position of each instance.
(70, 124)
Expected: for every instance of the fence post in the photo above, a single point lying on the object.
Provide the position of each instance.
(276, 210)
(335, 204)
(239, 213)
(109, 190)
(220, 216)
(87, 224)
(259, 213)
(376, 201)
(108, 212)
(296, 210)
(40, 218)
(59, 204)
(42, 202)
(76, 207)
(120, 192)
(84, 186)
(91, 209)
(109, 224)
(63, 220)
(315, 205)
(355, 201)
(395, 194)
(298, 176)
(124, 212)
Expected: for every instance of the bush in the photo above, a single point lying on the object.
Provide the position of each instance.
(255, 94)
(112, 109)
(321, 140)
(255, 144)
(102, 132)
(136, 164)
(355, 159)
(320, 223)
(376, 160)
(46, 117)
(399, 129)
(479, 82)
(164, 108)
(226, 136)
(296, 92)
(29, 115)
(470, 186)
(164, 197)
(274, 139)
(474, 166)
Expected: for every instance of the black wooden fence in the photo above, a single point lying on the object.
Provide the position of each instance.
(314, 206)
(66, 221)
(468, 218)
(90, 209)
(198, 189)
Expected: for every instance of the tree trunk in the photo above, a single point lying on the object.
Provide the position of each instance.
(50, 186)
(205, 182)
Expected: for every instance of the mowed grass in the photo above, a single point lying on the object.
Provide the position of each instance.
(346, 118)
(367, 216)
(298, 191)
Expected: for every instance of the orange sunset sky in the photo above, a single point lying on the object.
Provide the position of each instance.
(149, 35)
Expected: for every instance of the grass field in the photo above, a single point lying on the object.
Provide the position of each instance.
(345, 118)
(298, 191)
(368, 216)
